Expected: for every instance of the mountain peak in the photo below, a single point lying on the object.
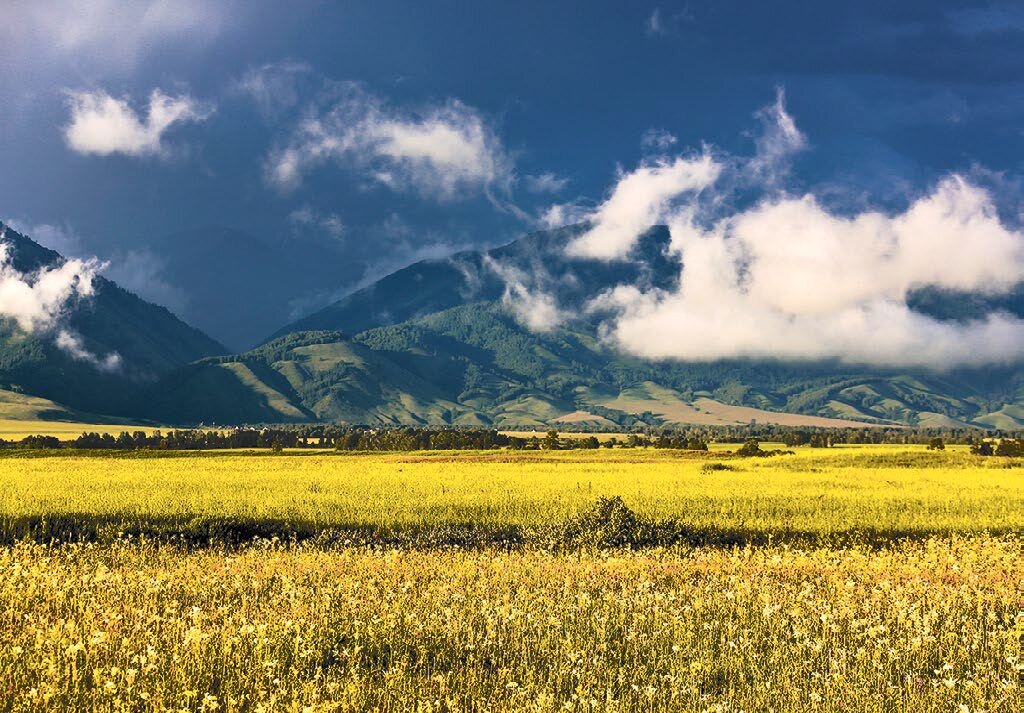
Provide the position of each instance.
(429, 286)
(26, 255)
(58, 359)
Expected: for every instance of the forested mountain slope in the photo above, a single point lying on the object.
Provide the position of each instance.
(148, 340)
(476, 364)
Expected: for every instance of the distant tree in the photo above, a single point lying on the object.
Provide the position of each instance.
(796, 438)
(696, 444)
(40, 442)
(590, 442)
(750, 448)
(819, 440)
(982, 448)
(1012, 447)
(637, 440)
(551, 441)
(936, 444)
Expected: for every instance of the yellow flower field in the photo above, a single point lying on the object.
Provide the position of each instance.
(929, 626)
(814, 491)
(111, 600)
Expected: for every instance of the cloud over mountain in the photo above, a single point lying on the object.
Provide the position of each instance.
(783, 277)
(638, 200)
(38, 302)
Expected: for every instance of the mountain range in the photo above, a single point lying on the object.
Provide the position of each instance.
(457, 341)
(148, 339)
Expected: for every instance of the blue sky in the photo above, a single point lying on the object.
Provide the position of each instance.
(373, 133)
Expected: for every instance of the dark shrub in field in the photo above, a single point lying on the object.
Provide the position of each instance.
(609, 523)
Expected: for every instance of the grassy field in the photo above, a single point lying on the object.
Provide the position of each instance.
(16, 429)
(928, 626)
(486, 581)
(490, 494)
(22, 415)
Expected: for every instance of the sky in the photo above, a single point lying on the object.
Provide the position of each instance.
(366, 135)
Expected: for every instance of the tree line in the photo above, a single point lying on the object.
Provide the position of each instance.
(409, 438)
(1012, 447)
(339, 438)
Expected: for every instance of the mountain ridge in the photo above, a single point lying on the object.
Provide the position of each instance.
(149, 340)
(429, 286)
(442, 342)
(475, 364)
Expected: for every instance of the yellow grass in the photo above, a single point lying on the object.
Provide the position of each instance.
(815, 491)
(929, 626)
(931, 621)
(17, 429)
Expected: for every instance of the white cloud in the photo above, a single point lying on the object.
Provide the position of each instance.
(72, 344)
(775, 146)
(545, 183)
(644, 196)
(140, 271)
(786, 279)
(533, 306)
(638, 200)
(108, 33)
(803, 259)
(274, 87)
(38, 302)
(308, 217)
(446, 152)
(103, 125)
(657, 140)
(561, 214)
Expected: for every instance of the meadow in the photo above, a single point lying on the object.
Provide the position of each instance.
(867, 578)
(15, 429)
(816, 494)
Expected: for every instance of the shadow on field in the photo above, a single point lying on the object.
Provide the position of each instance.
(609, 524)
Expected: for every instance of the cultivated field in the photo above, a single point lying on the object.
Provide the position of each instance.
(870, 578)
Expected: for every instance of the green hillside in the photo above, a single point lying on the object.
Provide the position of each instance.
(15, 406)
(475, 364)
(303, 377)
(434, 344)
(439, 328)
(570, 370)
(431, 286)
(150, 341)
